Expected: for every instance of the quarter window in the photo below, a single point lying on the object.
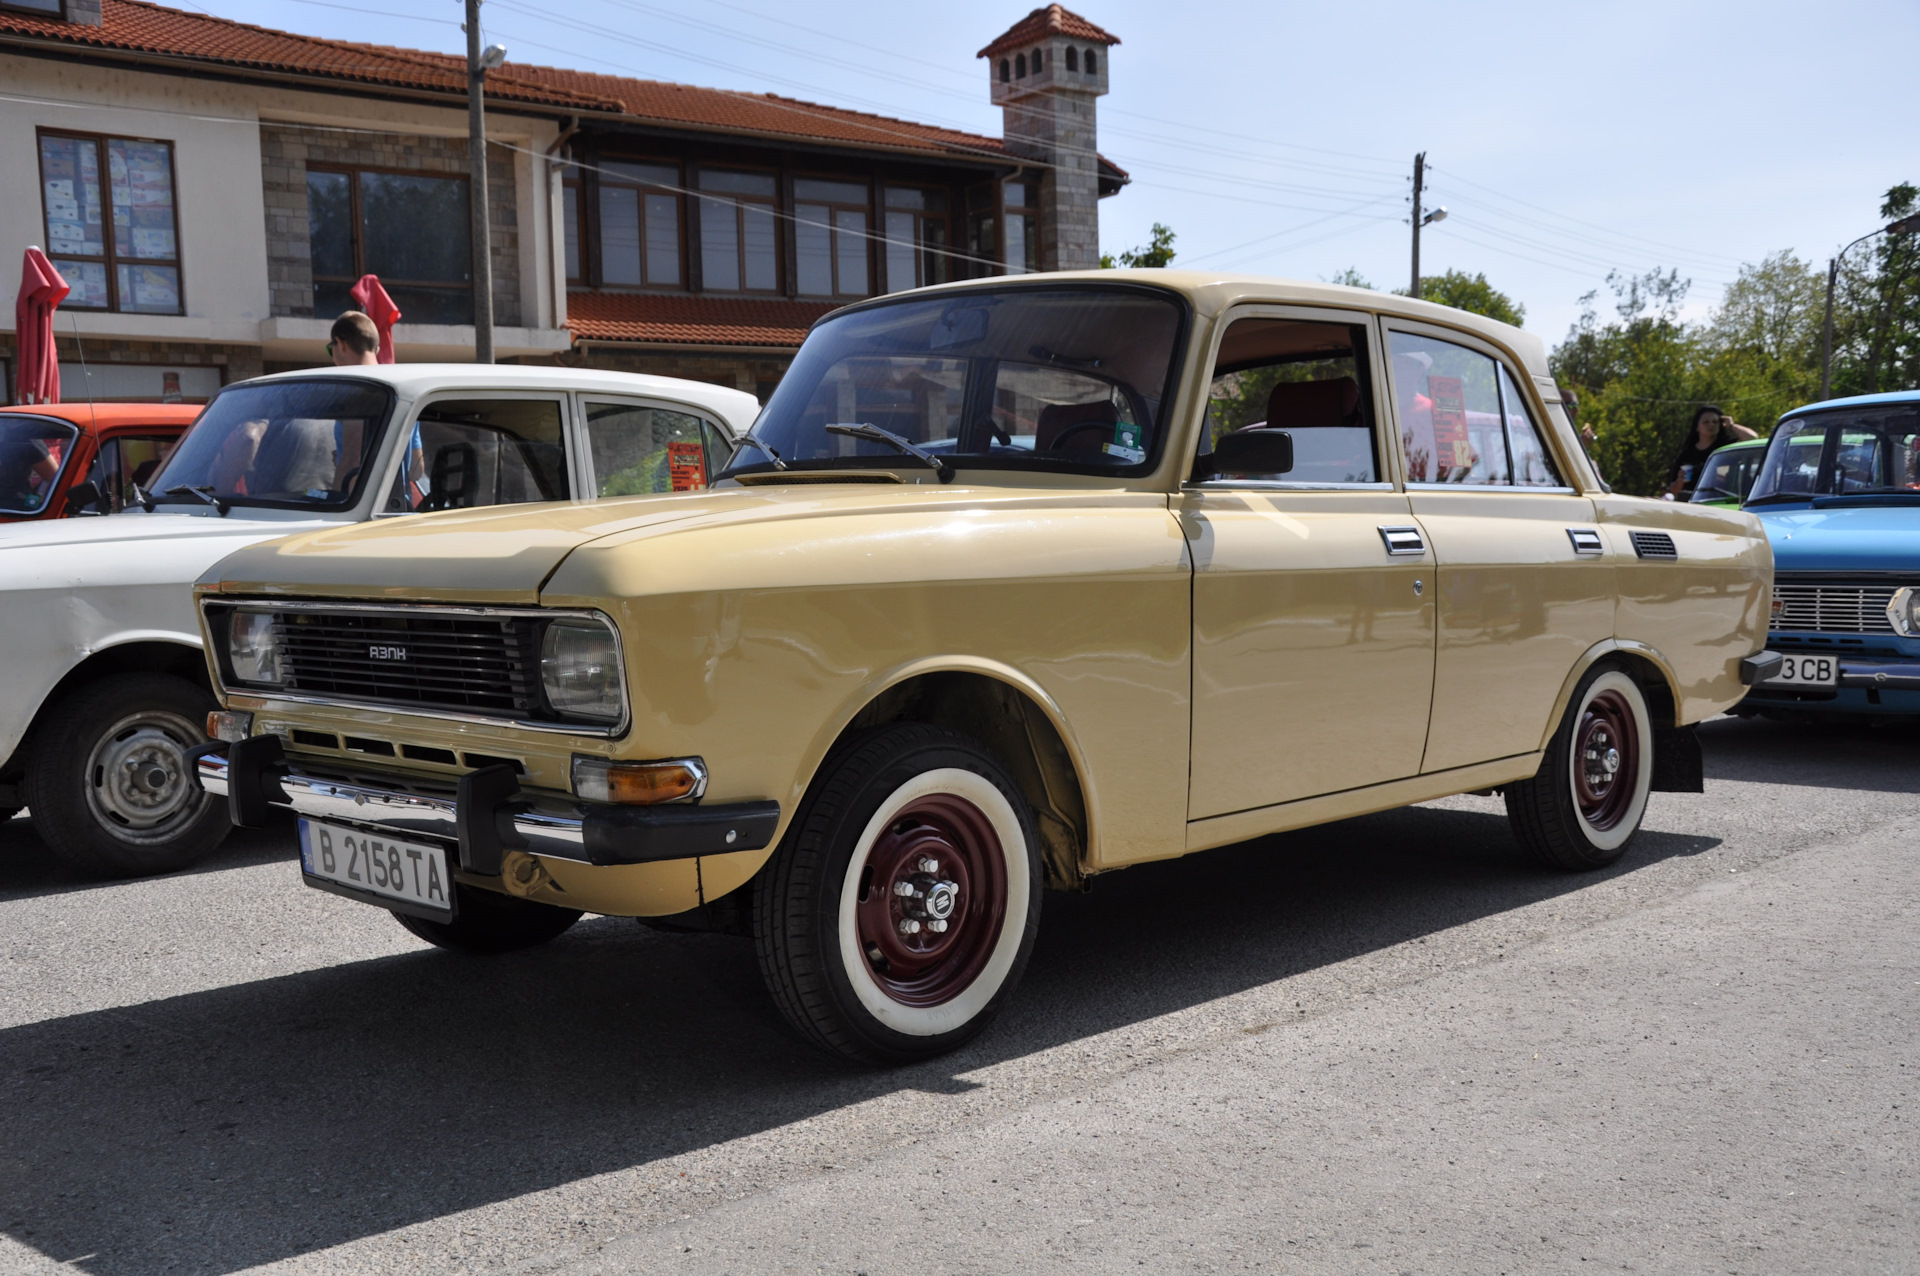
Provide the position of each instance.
(1532, 463)
(1309, 379)
(640, 450)
(466, 453)
(830, 221)
(410, 229)
(112, 232)
(737, 239)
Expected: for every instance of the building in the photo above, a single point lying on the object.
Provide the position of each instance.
(250, 176)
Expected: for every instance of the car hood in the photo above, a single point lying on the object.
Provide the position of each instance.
(145, 548)
(1859, 538)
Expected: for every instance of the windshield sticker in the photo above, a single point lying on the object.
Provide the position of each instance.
(1126, 443)
(1450, 420)
(686, 465)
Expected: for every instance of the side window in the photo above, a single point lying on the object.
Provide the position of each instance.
(466, 453)
(1309, 379)
(1449, 404)
(137, 459)
(1532, 463)
(640, 450)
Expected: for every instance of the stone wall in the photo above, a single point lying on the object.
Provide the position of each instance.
(285, 152)
(1058, 129)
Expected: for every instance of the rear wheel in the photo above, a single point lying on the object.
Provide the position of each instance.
(108, 781)
(486, 922)
(1588, 798)
(900, 910)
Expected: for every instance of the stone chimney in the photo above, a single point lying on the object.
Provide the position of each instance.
(1045, 73)
(85, 13)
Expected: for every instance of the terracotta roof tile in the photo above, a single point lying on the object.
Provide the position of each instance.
(713, 321)
(1052, 20)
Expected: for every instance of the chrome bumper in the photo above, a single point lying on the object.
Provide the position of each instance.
(539, 823)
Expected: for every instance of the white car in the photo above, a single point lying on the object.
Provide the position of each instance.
(104, 689)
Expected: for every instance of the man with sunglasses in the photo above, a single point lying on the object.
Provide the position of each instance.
(355, 341)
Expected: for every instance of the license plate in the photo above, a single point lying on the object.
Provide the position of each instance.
(413, 872)
(1806, 671)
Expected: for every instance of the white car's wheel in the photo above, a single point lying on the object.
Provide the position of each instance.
(1587, 801)
(900, 910)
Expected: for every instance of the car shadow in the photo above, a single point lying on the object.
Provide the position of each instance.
(1882, 759)
(29, 867)
(232, 1127)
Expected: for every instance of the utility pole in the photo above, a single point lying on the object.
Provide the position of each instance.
(1905, 226)
(481, 227)
(1419, 184)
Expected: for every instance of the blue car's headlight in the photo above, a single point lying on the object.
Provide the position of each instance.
(1903, 611)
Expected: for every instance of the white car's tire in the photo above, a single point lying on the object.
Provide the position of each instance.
(900, 910)
(1588, 798)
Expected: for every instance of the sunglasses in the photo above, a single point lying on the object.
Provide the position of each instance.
(329, 349)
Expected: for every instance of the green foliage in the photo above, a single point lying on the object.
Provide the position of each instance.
(1876, 337)
(1473, 293)
(1351, 278)
(1158, 252)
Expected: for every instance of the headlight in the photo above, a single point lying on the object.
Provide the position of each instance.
(253, 648)
(580, 670)
(1903, 611)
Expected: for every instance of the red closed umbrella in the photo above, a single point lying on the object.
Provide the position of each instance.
(379, 307)
(41, 289)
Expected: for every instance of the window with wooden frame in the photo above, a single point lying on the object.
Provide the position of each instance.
(572, 227)
(639, 239)
(831, 231)
(409, 228)
(739, 246)
(1023, 226)
(113, 229)
(917, 241)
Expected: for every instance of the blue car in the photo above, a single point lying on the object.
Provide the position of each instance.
(1839, 493)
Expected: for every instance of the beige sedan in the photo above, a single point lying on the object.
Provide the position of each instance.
(1015, 583)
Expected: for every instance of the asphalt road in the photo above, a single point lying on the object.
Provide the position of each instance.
(1389, 1045)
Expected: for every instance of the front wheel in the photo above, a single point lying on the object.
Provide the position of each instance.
(108, 781)
(901, 908)
(1586, 802)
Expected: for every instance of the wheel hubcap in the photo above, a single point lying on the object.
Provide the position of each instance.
(933, 897)
(1605, 760)
(137, 782)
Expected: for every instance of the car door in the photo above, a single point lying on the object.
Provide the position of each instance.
(1525, 582)
(465, 449)
(637, 446)
(1313, 623)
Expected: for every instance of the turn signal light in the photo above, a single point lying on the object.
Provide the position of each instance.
(229, 725)
(639, 783)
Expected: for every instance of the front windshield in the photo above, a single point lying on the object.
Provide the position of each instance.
(1728, 475)
(280, 444)
(32, 451)
(1068, 379)
(1842, 452)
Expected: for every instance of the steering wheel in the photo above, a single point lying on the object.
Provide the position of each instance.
(1060, 439)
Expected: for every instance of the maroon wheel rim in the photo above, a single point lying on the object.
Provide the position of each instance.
(927, 932)
(1606, 760)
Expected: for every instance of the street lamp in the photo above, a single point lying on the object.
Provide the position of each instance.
(479, 62)
(1905, 226)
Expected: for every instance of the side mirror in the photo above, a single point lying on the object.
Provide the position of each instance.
(1250, 452)
(84, 494)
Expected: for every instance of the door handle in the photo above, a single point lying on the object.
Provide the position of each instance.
(1403, 542)
(1585, 540)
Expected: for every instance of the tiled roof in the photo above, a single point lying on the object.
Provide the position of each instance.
(143, 30)
(1052, 20)
(709, 321)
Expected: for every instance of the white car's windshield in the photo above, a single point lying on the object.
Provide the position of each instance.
(280, 444)
(1072, 379)
(1842, 452)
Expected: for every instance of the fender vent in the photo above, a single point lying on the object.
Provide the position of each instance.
(1654, 545)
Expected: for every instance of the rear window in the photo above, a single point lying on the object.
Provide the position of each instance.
(33, 451)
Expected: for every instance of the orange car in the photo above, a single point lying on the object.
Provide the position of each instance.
(49, 451)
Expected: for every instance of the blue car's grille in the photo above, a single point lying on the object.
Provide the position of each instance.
(1832, 608)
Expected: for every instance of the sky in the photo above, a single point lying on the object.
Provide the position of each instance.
(1565, 141)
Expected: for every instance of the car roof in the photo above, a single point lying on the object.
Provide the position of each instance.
(1740, 445)
(111, 414)
(1212, 292)
(734, 407)
(1857, 401)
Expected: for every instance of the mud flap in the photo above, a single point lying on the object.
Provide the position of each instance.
(1678, 765)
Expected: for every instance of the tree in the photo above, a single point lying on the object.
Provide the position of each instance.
(1773, 308)
(1351, 278)
(1158, 252)
(1876, 343)
(1462, 291)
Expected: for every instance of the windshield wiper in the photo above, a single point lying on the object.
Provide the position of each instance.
(874, 433)
(203, 493)
(142, 497)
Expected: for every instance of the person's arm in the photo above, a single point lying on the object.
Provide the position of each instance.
(1741, 432)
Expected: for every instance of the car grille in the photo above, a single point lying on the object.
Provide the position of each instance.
(474, 664)
(1832, 608)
